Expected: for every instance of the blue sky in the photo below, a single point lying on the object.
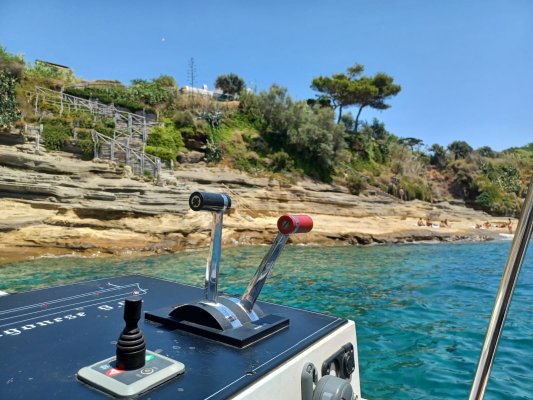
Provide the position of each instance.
(466, 67)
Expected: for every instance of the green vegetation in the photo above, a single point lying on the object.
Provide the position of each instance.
(9, 112)
(56, 132)
(271, 133)
(165, 141)
(230, 84)
(11, 70)
(86, 145)
(11, 64)
(460, 149)
(45, 70)
(355, 89)
(142, 95)
(356, 183)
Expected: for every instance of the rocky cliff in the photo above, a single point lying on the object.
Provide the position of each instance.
(56, 204)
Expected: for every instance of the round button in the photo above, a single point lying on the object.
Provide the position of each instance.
(147, 371)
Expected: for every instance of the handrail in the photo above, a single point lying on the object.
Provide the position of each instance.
(94, 104)
(503, 298)
(153, 161)
(127, 123)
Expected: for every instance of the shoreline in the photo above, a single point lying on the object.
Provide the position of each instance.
(57, 205)
(83, 242)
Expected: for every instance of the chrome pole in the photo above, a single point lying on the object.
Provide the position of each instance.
(213, 261)
(256, 284)
(503, 298)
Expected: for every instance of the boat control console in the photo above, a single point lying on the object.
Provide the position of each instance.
(90, 340)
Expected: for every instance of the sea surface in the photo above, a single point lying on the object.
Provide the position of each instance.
(421, 309)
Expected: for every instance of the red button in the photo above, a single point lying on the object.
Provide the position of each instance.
(113, 372)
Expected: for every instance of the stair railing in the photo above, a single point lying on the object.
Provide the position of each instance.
(146, 161)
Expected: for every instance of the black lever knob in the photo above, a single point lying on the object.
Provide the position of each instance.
(204, 201)
(131, 348)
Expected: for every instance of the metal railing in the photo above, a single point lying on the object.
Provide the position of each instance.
(35, 132)
(129, 128)
(126, 124)
(132, 157)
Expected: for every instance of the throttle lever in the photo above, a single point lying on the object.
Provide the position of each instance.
(204, 201)
(217, 203)
(287, 225)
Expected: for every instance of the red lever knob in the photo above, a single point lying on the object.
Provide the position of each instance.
(299, 223)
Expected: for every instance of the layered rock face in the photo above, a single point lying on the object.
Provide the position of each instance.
(56, 204)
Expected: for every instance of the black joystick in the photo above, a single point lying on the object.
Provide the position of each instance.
(131, 349)
(129, 374)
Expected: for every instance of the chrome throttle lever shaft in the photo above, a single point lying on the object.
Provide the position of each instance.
(287, 224)
(217, 204)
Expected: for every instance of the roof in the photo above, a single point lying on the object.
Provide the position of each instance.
(53, 64)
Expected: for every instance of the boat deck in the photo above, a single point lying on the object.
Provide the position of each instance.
(47, 335)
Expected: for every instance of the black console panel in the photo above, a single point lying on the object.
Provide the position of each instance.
(47, 335)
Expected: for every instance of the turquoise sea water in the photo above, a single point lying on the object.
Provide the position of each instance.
(421, 310)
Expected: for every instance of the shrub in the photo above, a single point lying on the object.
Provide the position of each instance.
(165, 141)
(415, 188)
(492, 199)
(104, 129)
(183, 119)
(12, 64)
(485, 200)
(356, 184)
(250, 110)
(8, 102)
(164, 153)
(166, 135)
(55, 134)
(248, 161)
(45, 70)
(281, 161)
(150, 93)
(506, 176)
(87, 148)
(213, 152)
(85, 143)
(118, 95)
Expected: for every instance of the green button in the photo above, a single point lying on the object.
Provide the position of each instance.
(149, 357)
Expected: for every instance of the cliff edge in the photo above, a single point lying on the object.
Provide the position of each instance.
(56, 204)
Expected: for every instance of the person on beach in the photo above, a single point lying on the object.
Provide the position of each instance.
(510, 226)
(401, 194)
(420, 222)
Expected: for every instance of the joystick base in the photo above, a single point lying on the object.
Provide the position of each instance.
(243, 336)
(104, 375)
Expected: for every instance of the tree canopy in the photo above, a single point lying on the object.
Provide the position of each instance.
(460, 149)
(354, 89)
(411, 142)
(230, 84)
(486, 151)
(438, 158)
